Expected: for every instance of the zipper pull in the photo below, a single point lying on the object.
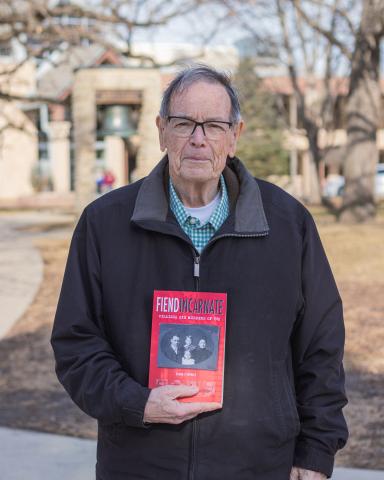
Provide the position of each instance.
(196, 267)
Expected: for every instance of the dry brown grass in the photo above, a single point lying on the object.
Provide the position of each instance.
(30, 395)
(356, 254)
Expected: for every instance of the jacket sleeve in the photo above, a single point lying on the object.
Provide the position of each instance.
(86, 365)
(317, 348)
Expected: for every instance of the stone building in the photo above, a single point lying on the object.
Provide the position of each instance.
(18, 139)
(98, 115)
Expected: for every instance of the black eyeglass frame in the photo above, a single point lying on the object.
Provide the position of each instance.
(199, 124)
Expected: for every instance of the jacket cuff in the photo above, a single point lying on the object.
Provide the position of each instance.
(314, 459)
(133, 416)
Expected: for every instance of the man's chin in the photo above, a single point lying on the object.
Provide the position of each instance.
(198, 174)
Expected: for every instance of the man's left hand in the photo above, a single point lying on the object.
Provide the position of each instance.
(302, 474)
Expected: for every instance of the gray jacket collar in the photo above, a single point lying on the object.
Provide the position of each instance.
(152, 199)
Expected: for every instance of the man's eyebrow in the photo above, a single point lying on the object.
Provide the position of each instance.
(209, 119)
(216, 119)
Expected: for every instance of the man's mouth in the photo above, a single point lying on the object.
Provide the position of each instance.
(197, 159)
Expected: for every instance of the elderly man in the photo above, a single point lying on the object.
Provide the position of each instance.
(200, 221)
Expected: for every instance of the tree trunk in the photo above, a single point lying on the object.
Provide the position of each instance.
(312, 131)
(363, 118)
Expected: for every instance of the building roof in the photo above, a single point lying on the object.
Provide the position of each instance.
(56, 83)
(283, 85)
(55, 79)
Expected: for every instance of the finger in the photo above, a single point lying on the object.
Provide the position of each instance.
(204, 407)
(178, 412)
(294, 474)
(208, 407)
(193, 409)
(177, 391)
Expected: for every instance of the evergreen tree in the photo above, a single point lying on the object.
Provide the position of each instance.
(261, 144)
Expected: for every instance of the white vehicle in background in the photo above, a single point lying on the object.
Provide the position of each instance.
(334, 184)
(379, 181)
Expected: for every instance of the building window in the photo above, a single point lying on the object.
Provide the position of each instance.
(5, 49)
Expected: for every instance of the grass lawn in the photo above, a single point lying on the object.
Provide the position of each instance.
(356, 254)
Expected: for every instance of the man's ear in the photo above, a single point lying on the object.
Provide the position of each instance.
(237, 129)
(161, 126)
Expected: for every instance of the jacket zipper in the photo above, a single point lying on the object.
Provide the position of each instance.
(196, 271)
(196, 275)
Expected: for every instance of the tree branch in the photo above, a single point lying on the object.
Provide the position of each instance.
(326, 33)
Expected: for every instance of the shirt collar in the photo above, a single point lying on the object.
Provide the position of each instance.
(176, 205)
(152, 202)
(220, 213)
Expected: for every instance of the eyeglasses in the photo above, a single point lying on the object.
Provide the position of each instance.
(185, 127)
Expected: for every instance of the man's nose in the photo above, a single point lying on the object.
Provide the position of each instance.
(198, 136)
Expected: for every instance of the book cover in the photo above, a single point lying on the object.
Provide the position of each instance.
(188, 342)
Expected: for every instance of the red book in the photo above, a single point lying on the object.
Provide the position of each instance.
(188, 342)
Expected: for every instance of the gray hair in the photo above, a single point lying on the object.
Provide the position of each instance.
(201, 73)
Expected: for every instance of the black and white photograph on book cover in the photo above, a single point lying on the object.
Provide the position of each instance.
(188, 346)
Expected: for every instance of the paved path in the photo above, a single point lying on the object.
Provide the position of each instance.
(40, 456)
(21, 266)
(21, 271)
(55, 457)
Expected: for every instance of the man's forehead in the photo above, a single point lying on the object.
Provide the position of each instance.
(201, 98)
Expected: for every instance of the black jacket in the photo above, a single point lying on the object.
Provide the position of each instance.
(284, 382)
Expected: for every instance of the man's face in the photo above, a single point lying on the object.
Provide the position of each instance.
(175, 341)
(196, 158)
(202, 343)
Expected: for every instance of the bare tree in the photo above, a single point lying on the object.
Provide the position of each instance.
(363, 114)
(315, 37)
(306, 56)
(48, 33)
(363, 108)
(39, 27)
(308, 118)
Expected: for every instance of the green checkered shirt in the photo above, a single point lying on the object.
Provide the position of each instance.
(200, 234)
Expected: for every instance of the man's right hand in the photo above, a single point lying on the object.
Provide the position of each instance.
(163, 407)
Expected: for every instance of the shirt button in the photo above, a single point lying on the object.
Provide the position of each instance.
(192, 221)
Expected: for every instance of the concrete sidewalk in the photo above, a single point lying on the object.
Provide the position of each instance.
(21, 271)
(21, 266)
(26, 455)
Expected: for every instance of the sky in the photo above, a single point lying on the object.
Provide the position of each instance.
(195, 28)
(201, 27)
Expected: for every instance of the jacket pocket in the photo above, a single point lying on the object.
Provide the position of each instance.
(255, 431)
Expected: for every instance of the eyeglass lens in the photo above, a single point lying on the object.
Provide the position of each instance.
(184, 127)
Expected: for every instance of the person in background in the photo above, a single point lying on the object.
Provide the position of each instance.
(99, 181)
(108, 180)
